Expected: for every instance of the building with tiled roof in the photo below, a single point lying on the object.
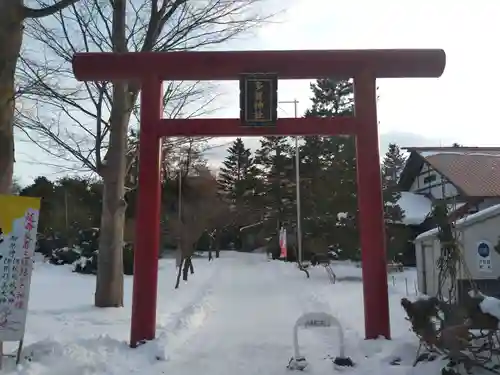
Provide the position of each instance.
(466, 178)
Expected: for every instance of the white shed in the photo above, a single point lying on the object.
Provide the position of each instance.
(478, 234)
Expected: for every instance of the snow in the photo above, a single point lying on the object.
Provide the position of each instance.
(234, 316)
(426, 154)
(490, 305)
(482, 215)
(416, 207)
(342, 215)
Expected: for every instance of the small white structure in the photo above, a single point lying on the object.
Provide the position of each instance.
(478, 235)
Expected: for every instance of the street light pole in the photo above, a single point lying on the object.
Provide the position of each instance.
(178, 257)
(295, 103)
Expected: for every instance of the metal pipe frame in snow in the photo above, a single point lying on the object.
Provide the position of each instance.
(328, 319)
(151, 68)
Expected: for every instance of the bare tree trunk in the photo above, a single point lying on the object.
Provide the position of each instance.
(109, 286)
(178, 257)
(185, 268)
(217, 247)
(12, 16)
(11, 37)
(178, 281)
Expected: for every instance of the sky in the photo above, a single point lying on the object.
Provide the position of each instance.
(458, 107)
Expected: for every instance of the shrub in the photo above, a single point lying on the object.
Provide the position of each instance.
(87, 264)
(83, 255)
(64, 256)
(128, 259)
(47, 244)
(88, 241)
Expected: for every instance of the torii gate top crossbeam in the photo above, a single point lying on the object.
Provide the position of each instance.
(228, 65)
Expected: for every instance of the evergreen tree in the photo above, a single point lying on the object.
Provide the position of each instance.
(276, 194)
(237, 180)
(396, 234)
(329, 175)
(392, 166)
(237, 166)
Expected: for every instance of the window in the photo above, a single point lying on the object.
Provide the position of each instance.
(430, 178)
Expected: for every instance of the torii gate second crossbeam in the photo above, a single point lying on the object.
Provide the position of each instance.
(152, 68)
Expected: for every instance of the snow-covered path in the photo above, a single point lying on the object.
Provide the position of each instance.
(249, 327)
(253, 308)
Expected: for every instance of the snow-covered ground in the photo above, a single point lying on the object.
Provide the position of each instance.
(234, 316)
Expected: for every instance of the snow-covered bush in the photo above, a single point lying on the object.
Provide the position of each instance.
(46, 244)
(64, 255)
(87, 263)
(84, 253)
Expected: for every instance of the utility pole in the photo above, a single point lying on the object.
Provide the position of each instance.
(295, 103)
(66, 216)
(178, 257)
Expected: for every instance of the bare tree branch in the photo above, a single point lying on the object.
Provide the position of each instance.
(47, 11)
(82, 109)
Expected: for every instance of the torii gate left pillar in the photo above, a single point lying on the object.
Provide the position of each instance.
(151, 69)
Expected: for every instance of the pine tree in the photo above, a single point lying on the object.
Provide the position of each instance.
(392, 166)
(237, 166)
(237, 180)
(277, 198)
(329, 174)
(396, 234)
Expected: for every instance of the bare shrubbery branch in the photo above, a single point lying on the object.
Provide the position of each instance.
(459, 328)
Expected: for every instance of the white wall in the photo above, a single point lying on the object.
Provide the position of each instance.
(487, 230)
(428, 251)
(427, 268)
(420, 185)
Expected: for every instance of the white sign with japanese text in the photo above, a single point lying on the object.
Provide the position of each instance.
(18, 230)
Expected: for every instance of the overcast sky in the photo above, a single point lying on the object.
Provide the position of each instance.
(458, 107)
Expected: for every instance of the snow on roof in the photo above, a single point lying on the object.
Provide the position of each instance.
(426, 154)
(416, 208)
(482, 215)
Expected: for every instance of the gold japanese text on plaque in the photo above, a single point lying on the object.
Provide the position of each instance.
(258, 99)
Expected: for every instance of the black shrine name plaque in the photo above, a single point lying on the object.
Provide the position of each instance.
(258, 99)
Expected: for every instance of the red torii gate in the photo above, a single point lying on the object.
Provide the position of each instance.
(152, 68)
